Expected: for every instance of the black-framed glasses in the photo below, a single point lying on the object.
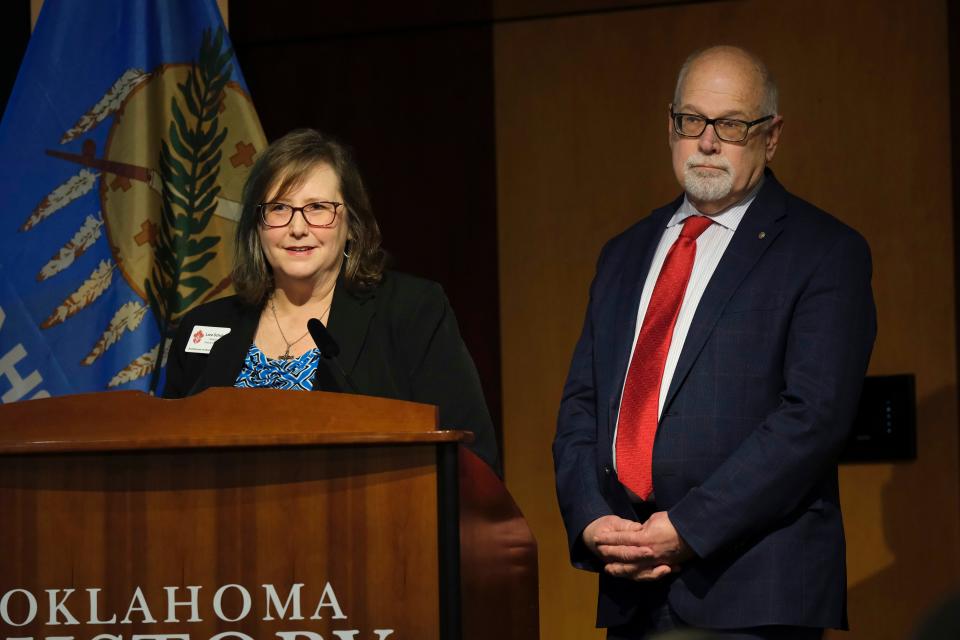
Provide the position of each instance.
(692, 125)
(316, 214)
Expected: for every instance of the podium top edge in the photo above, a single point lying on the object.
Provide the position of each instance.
(222, 417)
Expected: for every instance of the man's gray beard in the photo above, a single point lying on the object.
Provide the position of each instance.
(704, 188)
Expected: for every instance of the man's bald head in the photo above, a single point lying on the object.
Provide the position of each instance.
(728, 95)
(738, 57)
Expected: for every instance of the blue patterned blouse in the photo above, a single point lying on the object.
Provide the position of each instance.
(261, 372)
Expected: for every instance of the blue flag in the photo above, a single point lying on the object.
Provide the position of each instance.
(123, 152)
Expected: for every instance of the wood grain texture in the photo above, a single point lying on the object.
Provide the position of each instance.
(361, 519)
(165, 502)
(217, 417)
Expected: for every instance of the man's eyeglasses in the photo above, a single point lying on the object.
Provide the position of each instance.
(691, 125)
(316, 214)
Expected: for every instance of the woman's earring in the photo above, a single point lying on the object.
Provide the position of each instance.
(346, 249)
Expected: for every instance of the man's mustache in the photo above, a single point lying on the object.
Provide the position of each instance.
(697, 161)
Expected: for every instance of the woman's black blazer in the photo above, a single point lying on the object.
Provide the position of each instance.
(399, 340)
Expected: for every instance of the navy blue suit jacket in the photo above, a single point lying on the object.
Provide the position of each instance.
(745, 456)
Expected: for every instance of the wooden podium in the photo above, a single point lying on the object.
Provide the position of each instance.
(254, 514)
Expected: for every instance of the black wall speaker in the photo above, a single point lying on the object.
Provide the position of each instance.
(885, 427)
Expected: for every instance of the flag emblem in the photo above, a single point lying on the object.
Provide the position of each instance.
(135, 203)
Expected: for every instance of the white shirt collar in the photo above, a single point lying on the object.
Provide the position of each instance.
(729, 218)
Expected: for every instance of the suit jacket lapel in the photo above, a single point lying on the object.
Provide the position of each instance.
(350, 317)
(228, 354)
(632, 278)
(765, 216)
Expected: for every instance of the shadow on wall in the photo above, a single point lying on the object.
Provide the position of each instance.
(903, 499)
(943, 622)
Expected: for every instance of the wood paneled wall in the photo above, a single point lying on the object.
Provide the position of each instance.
(582, 153)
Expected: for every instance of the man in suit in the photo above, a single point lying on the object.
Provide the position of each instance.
(714, 384)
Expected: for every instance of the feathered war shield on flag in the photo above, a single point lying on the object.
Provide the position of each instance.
(123, 152)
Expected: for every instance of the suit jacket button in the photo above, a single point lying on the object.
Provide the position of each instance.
(606, 470)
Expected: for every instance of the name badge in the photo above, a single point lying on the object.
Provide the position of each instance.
(202, 338)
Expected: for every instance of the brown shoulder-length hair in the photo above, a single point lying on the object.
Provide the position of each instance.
(284, 165)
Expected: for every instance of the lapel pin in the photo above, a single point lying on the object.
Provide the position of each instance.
(763, 234)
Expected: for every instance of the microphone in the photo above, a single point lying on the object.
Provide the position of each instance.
(329, 348)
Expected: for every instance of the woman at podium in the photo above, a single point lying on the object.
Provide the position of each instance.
(315, 308)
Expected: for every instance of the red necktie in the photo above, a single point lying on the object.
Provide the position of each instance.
(639, 407)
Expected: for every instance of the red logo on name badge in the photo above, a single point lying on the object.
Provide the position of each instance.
(198, 336)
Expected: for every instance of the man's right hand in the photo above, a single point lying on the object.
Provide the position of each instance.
(606, 523)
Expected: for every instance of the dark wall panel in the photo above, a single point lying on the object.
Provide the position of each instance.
(285, 20)
(15, 32)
